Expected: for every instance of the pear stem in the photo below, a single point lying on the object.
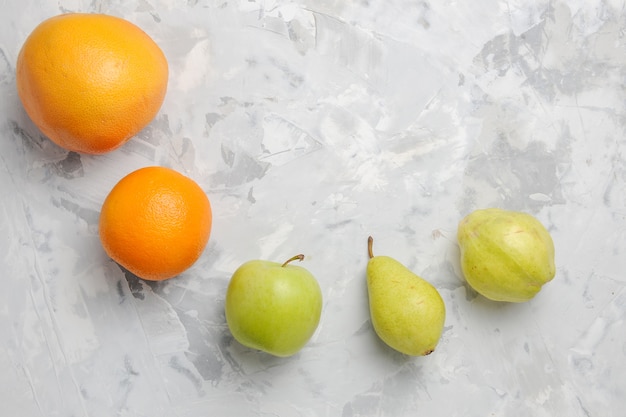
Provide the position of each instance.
(370, 243)
(299, 257)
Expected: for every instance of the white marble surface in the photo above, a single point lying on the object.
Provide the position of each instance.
(310, 125)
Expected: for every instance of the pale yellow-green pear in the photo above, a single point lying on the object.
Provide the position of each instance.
(505, 255)
(407, 311)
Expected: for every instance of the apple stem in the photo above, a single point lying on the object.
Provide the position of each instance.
(299, 257)
(370, 243)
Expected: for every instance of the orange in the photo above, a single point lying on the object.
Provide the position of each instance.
(155, 222)
(90, 82)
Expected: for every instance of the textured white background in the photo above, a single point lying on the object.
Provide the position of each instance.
(310, 125)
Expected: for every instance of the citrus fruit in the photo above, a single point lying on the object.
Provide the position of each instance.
(155, 222)
(90, 82)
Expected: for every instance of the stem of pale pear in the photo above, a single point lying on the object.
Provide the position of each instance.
(299, 257)
(370, 243)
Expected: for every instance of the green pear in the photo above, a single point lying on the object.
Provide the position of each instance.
(505, 255)
(407, 311)
(273, 307)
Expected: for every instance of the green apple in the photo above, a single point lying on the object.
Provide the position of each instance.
(273, 307)
(505, 255)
